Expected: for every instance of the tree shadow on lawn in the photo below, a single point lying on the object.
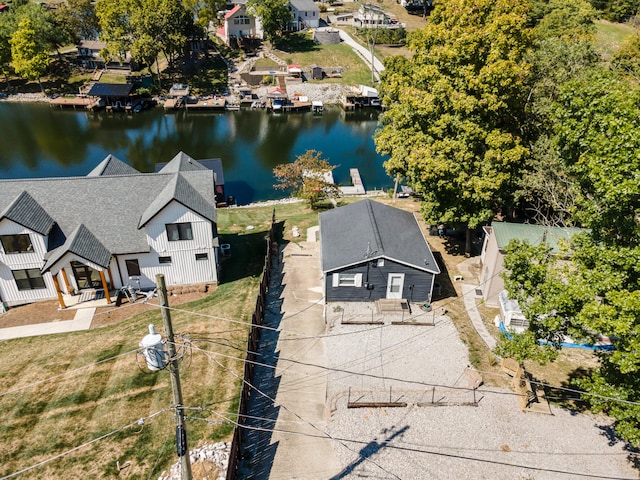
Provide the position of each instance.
(296, 43)
(246, 255)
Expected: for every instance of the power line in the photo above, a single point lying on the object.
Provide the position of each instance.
(66, 372)
(140, 421)
(386, 444)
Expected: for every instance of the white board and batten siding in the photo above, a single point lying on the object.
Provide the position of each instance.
(184, 269)
(23, 261)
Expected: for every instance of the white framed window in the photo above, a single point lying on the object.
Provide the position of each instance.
(179, 231)
(380, 262)
(346, 280)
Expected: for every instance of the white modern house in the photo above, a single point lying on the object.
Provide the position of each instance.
(54, 243)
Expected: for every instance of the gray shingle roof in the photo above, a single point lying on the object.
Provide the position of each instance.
(182, 163)
(180, 190)
(25, 211)
(84, 244)
(214, 164)
(112, 166)
(110, 207)
(388, 232)
(304, 5)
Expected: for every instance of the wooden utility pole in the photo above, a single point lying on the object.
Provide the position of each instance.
(181, 430)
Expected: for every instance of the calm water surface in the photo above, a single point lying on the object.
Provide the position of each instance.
(37, 141)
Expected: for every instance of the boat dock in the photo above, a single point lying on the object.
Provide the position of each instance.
(88, 103)
(356, 187)
(211, 103)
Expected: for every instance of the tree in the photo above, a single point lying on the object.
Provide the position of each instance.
(455, 110)
(78, 18)
(595, 120)
(274, 14)
(6, 30)
(30, 57)
(306, 178)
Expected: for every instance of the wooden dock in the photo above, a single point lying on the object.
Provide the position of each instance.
(214, 103)
(89, 103)
(357, 187)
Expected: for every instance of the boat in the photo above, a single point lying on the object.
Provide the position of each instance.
(317, 106)
(232, 106)
(258, 104)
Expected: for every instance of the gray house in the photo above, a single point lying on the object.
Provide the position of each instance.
(371, 251)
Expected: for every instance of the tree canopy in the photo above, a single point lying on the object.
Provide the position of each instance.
(306, 178)
(274, 14)
(455, 109)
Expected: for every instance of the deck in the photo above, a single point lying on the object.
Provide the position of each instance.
(356, 187)
(214, 103)
(89, 103)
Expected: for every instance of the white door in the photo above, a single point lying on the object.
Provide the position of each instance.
(395, 281)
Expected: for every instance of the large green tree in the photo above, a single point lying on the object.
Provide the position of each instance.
(274, 14)
(78, 18)
(595, 120)
(455, 109)
(29, 55)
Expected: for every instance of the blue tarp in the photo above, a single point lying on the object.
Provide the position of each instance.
(504, 330)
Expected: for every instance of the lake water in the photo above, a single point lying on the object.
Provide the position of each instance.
(38, 141)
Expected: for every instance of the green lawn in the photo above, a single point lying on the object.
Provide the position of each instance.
(55, 396)
(610, 36)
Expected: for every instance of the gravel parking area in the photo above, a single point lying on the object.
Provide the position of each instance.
(493, 440)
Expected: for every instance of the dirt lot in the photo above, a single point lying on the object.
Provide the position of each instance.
(43, 312)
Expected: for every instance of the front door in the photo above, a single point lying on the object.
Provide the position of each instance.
(86, 277)
(395, 281)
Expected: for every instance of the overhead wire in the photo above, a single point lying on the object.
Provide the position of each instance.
(140, 421)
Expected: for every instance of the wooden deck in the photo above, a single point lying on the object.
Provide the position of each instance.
(88, 103)
(357, 187)
(206, 104)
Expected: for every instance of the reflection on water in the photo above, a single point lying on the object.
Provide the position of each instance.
(37, 141)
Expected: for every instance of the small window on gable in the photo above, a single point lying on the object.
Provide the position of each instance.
(133, 267)
(202, 256)
(381, 262)
(164, 259)
(179, 231)
(20, 243)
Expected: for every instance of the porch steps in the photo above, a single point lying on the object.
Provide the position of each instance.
(392, 305)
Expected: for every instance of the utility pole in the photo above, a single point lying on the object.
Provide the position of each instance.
(181, 431)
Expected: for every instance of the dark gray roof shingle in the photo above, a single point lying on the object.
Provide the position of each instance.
(112, 166)
(116, 206)
(25, 211)
(346, 233)
(182, 163)
(84, 244)
(111, 89)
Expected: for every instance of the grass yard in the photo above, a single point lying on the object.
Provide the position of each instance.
(610, 36)
(62, 391)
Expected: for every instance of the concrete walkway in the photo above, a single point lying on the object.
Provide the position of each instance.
(469, 297)
(363, 53)
(81, 321)
(298, 447)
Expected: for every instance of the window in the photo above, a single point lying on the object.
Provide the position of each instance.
(347, 280)
(29, 279)
(20, 243)
(179, 231)
(164, 259)
(133, 267)
(380, 262)
(202, 256)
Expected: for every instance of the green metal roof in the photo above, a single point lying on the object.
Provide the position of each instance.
(533, 234)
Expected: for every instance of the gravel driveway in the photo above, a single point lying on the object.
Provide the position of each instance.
(493, 440)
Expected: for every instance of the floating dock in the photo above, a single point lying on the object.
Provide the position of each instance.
(357, 187)
(215, 103)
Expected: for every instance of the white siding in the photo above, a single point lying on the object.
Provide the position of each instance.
(9, 292)
(184, 269)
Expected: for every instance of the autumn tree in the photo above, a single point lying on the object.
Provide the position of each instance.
(306, 178)
(455, 110)
(78, 17)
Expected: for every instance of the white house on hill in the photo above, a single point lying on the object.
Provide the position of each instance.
(140, 224)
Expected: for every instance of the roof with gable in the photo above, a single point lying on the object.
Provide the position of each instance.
(214, 164)
(554, 237)
(113, 219)
(112, 166)
(304, 5)
(182, 191)
(347, 233)
(84, 244)
(25, 211)
(232, 12)
(181, 163)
